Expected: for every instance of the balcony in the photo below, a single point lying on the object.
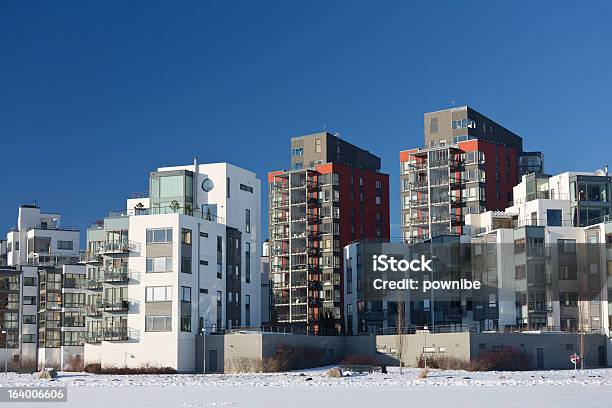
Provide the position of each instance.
(115, 306)
(119, 247)
(94, 337)
(93, 284)
(119, 275)
(93, 311)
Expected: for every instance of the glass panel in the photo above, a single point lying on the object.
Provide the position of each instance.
(171, 186)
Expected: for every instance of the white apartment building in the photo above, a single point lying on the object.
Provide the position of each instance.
(41, 295)
(569, 284)
(179, 263)
(545, 263)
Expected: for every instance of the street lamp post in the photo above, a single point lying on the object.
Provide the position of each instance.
(425, 329)
(5, 351)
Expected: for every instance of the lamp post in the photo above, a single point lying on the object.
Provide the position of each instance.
(5, 351)
(425, 329)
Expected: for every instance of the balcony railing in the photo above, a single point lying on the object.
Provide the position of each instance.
(115, 306)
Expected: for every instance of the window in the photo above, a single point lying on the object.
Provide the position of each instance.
(317, 145)
(204, 234)
(567, 272)
(246, 188)
(219, 257)
(186, 236)
(65, 245)
(567, 246)
(185, 294)
(247, 220)
(568, 299)
(29, 319)
(297, 151)
(202, 262)
(228, 188)
(29, 300)
(492, 300)
(553, 218)
(29, 281)
(185, 264)
(185, 323)
(433, 125)
(159, 264)
(378, 199)
(28, 338)
(378, 184)
(158, 323)
(247, 266)
(247, 310)
(158, 293)
(159, 236)
(203, 290)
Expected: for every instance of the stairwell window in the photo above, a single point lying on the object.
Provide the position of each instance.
(247, 268)
(247, 220)
(186, 236)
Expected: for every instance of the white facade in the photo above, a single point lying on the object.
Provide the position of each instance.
(38, 248)
(39, 239)
(180, 282)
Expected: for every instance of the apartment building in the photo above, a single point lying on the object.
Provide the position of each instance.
(42, 297)
(3, 260)
(539, 265)
(468, 164)
(266, 289)
(333, 194)
(175, 264)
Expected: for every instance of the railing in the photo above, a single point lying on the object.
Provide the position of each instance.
(540, 195)
(172, 210)
(443, 328)
(119, 306)
(121, 246)
(53, 227)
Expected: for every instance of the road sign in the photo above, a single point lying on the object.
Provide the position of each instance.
(575, 358)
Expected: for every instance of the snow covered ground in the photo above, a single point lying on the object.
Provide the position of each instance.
(588, 388)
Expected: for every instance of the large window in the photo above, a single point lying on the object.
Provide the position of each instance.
(159, 236)
(159, 264)
(171, 186)
(247, 220)
(65, 245)
(158, 323)
(568, 298)
(158, 293)
(554, 218)
(185, 294)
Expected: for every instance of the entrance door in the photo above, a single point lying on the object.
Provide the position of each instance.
(603, 356)
(540, 352)
(212, 361)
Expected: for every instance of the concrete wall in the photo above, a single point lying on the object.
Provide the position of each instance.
(449, 344)
(556, 348)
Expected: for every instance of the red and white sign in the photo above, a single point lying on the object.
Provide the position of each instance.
(575, 358)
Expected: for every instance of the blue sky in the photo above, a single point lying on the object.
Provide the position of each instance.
(94, 95)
